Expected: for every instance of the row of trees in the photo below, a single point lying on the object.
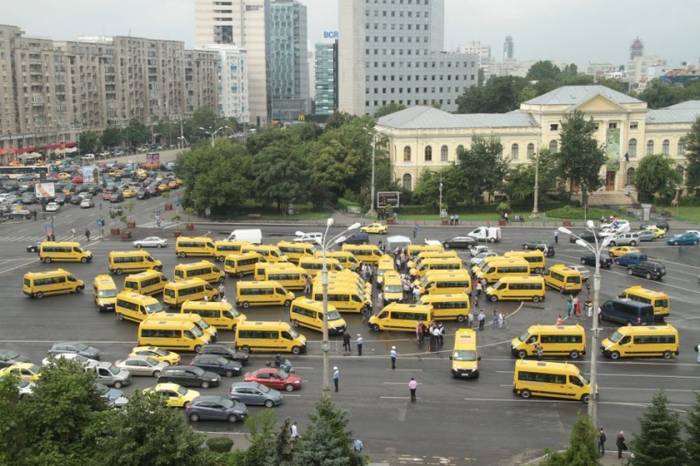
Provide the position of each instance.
(65, 422)
(660, 441)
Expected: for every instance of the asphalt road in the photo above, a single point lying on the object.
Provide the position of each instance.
(454, 421)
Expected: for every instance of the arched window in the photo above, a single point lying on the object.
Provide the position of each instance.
(650, 147)
(666, 147)
(428, 153)
(407, 182)
(681, 148)
(460, 150)
(553, 146)
(443, 154)
(630, 176)
(514, 151)
(530, 151)
(407, 154)
(632, 148)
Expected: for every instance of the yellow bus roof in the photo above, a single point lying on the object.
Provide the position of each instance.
(185, 283)
(194, 265)
(546, 367)
(47, 273)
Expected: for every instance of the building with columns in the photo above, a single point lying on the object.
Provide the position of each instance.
(423, 138)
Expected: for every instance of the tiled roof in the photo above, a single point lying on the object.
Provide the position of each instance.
(687, 105)
(673, 115)
(421, 117)
(576, 95)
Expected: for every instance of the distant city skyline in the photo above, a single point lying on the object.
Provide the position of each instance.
(573, 31)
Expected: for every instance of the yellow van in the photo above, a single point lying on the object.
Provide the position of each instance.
(534, 256)
(237, 265)
(275, 337)
(401, 317)
(346, 277)
(562, 278)
(522, 288)
(556, 340)
(190, 317)
(392, 288)
(445, 282)
(59, 281)
(290, 276)
(346, 259)
(448, 306)
(201, 269)
(365, 253)
(550, 379)
(309, 313)
(194, 246)
(414, 264)
(181, 335)
(642, 341)
(136, 307)
(313, 265)
(269, 252)
(295, 251)
(138, 260)
(465, 355)
(220, 314)
(225, 248)
(658, 300)
(412, 250)
(149, 283)
(263, 293)
(105, 292)
(345, 297)
(385, 264)
(444, 263)
(68, 251)
(176, 293)
(506, 267)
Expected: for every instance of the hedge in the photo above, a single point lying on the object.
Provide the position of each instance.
(220, 444)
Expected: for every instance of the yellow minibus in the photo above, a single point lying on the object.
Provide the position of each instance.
(448, 306)
(262, 293)
(562, 278)
(194, 246)
(220, 314)
(295, 251)
(149, 283)
(67, 251)
(555, 340)
(517, 288)
(309, 313)
(138, 260)
(51, 282)
(180, 335)
(642, 341)
(202, 269)
(226, 247)
(657, 299)
(401, 317)
(105, 292)
(136, 307)
(550, 379)
(465, 355)
(275, 337)
(237, 265)
(176, 293)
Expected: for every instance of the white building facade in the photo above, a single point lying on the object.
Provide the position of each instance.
(233, 82)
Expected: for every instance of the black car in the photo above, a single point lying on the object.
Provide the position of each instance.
(142, 194)
(34, 247)
(459, 242)
(226, 351)
(60, 198)
(648, 270)
(541, 245)
(75, 199)
(357, 238)
(215, 408)
(584, 235)
(9, 357)
(217, 364)
(605, 262)
(663, 224)
(189, 376)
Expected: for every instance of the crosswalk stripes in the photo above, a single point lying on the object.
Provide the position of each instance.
(29, 239)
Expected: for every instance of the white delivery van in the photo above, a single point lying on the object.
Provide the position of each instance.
(490, 234)
(252, 235)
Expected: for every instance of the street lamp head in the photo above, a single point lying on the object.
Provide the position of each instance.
(582, 243)
(590, 224)
(330, 222)
(564, 230)
(354, 226)
(340, 239)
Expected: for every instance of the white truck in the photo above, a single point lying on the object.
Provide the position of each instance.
(252, 235)
(490, 234)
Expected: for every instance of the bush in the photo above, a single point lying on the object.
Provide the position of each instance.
(578, 213)
(503, 207)
(220, 444)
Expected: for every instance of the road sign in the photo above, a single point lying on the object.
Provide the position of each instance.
(387, 199)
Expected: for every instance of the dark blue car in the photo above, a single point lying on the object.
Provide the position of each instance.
(217, 364)
(684, 239)
(633, 258)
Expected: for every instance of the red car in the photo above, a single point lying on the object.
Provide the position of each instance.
(274, 378)
(77, 179)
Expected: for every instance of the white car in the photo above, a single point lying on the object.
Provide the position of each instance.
(151, 242)
(478, 249)
(25, 388)
(142, 365)
(86, 203)
(82, 360)
(479, 258)
(585, 271)
(52, 207)
(695, 232)
(315, 237)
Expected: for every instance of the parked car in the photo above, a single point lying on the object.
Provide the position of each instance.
(25, 388)
(142, 365)
(633, 258)
(375, 229)
(173, 394)
(189, 376)
(215, 408)
(479, 258)
(60, 198)
(478, 249)
(9, 357)
(34, 247)
(113, 396)
(87, 203)
(75, 357)
(255, 394)
(647, 269)
(274, 378)
(313, 237)
(142, 194)
(151, 242)
(74, 347)
(541, 245)
(228, 352)
(605, 262)
(584, 235)
(159, 354)
(684, 239)
(459, 242)
(28, 198)
(619, 251)
(76, 199)
(217, 364)
(356, 238)
(646, 235)
(625, 239)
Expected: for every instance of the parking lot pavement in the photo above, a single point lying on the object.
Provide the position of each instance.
(454, 421)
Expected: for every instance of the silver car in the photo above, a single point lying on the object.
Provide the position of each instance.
(151, 242)
(252, 393)
(625, 239)
(142, 365)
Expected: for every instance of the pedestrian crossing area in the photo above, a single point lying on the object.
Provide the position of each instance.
(30, 239)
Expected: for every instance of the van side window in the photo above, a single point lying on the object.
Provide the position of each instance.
(286, 336)
(625, 340)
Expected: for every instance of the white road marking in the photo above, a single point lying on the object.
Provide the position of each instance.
(572, 402)
(398, 383)
(397, 397)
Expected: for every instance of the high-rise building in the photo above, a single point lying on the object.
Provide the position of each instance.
(326, 102)
(242, 23)
(288, 71)
(482, 51)
(233, 82)
(311, 63)
(509, 49)
(636, 49)
(393, 53)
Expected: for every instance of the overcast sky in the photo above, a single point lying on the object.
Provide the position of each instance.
(579, 31)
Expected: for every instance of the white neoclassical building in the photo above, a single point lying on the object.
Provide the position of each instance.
(427, 138)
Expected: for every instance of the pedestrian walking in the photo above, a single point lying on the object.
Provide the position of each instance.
(221, 289)
(415, 231)
(294, 431)
(419, 332)
(416, 293)
(560, 320)
(87, 235)
(34, 214)
(601, 441)
(494, 320)
(336, 378)
(346, 342)
(358, 341)
(569, 306)
(539, 351)
(501, 319)
(72, 232)
(436, 337)
(476, 301)
(412, 386)
(393, 355)
(307, 286)
(556, 236)
(357, 445)
(470, 319)
(620, 443)
(478, 290)
(380, 298)
(440, 334)
(482, 319)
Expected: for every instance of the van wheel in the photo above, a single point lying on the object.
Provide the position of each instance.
(269, 404)
(194, 417)
(47, 260)
(612, 243)
(181, 255)
(493, 298)
(204, 384)
(117, 385)
(197, 348)
(39, 295)
(586, 398)
(668, 355)
(245, 349)
(522, 354)
(536, 299)
(633, 243)
(629, 272)
(492, 240)
(296, 350)
(83, 259)
(79, 289)
(374, 327)
(245, 304)
(460, 318)
(647, 276)
(289, 387)
(525, 394)
(574, 355)
(615, 355)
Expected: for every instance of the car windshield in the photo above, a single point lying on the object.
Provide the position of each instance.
(393, 289)
(464, 356)
(8, 355)
(160, 352)
(155, 307)
(196, 331)
(524, 336)
(615, 337)
(333, 315)
(182, 391)
(293, 333)
(282, 374)
(114, 370)
(107, 293)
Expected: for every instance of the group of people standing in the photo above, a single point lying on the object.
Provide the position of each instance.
(435, 332)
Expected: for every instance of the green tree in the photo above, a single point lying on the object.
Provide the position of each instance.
(692, 156)
(656, 178)
(427, 190)
(544, 70)
(580, 158)
(692, 426)
(136, 133)
(520, 179)
(659, 440)
(338, 119)
(659, 94)
(389, 109)
(281, 174)
(261, 451)
(483, 168)
(111, 137)
(88, 141)
(582, 449)
(327, 441)
(499, 95)
(12, 437)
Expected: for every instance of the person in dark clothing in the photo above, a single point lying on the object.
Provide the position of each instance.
(601, 441)
(87, 234)
(346, 342)
(621, 446)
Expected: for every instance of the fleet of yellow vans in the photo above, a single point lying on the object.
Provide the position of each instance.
(269, 337)
(562, 278)
(295, 251)
(180, 335)
(203, 269)
(657, 299)
(555, 340)
(551, 380)
(225, 247)
(415, 263)
(401, 317)
(445, 282)
(517, 288)
(439, 264)
(149, 283)
(534, 256)
(346, 259)
(365, 253)
(642, 341)
(309, 313)
(263, 293)
(290, 276)
(412, 250)
(220, 314)
(448, 306)
(186, 246)
(495, 269)
(105, 292)
(314, 265)
(67, 251)
(345, 296)
(465, 355)
(392, 288)
(195, 318)
(176, 293)
(136, 307)
(269, 252)
(52, 282)
(237, 265)
(138, 260)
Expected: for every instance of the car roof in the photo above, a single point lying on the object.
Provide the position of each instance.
(245, 384)
(204, 398)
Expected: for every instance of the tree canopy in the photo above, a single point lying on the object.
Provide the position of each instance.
(656, 178)
(582, 449)
(692, 156)
(659, 440)
(483, 168)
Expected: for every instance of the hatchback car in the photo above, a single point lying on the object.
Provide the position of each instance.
(684, 239)
(189, 376)
(375, 229)
(75, 357)
(87, 203)
(252, 393)
(151, 242)
(156, 353)
(26, 371)
(72, 347)
(229, 352)
(618, 251)
(543, 246)
(648, 270)
(215, 408)
(9, 357)
(174, 395)
(274, 378)
(142, 365)
(605, 262)
(459, 242)
(646, 235)
(625, 239)
(52, 207)
(217, 364)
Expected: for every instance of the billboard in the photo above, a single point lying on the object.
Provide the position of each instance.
(89, 174)
(330, 34)
(45, 190)
(387, 199)
(612, 149)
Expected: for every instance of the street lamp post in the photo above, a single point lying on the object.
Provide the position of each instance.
(372, 213)
(535, 207)
(213, 133)
(597, 249)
